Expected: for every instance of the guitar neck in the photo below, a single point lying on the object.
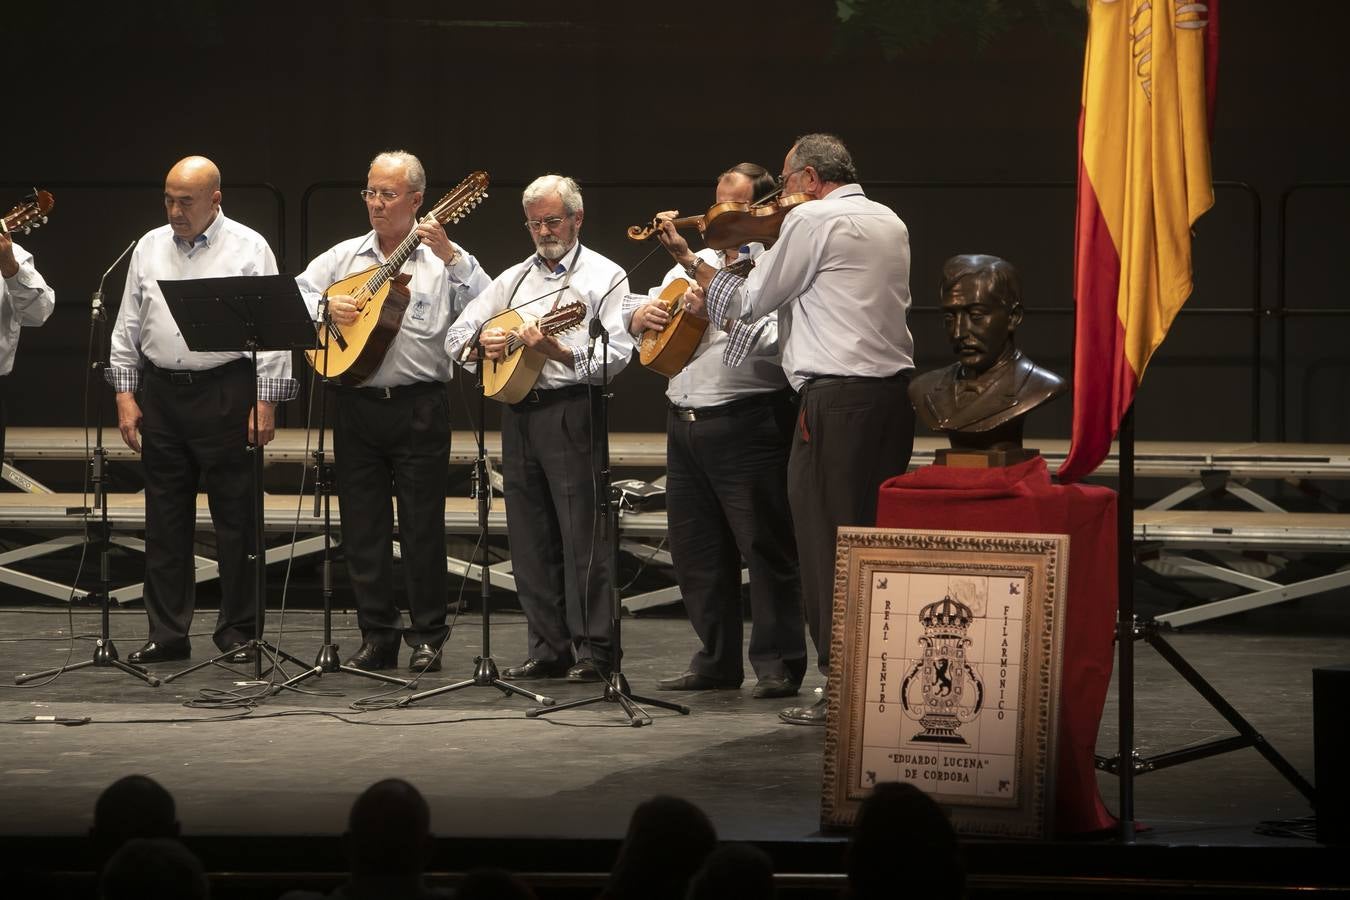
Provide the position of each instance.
(395, 262)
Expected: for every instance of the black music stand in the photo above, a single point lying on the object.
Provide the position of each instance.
(252, 313)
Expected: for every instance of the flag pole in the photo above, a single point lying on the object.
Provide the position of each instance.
(1125, 627)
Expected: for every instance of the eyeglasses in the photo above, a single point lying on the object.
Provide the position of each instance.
(552, 222)
(782, 179)
(387, 196)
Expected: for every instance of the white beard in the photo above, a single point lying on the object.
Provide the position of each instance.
(553, 251)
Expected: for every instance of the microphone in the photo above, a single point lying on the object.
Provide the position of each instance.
(96, 305)
(597, 329)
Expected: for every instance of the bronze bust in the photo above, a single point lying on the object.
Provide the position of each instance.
(981, 400)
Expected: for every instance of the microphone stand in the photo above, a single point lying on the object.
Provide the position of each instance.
(485, 673)
(105, 651)
(327, 659)
(616, 685)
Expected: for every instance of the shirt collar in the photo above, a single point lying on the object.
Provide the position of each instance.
(207, 237)
(845, 191)
(371, 245)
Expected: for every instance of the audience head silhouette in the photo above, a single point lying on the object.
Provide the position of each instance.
(668, 839)
(389, 830)
(135, 806)
(734, 870)
(899, 818)
(153, 867)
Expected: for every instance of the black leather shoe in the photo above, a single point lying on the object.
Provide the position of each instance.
(588, 670)
(692, 681)
(240, 653)
(773, 686)
(425, 658)
(806, 715)
(372, 657)
(154, 652)
(535, 668)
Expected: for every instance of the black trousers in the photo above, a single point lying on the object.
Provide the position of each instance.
(194, 433)
(726, 499)
(395, 449)
(4, 414)
(851, 435)
(562, 570)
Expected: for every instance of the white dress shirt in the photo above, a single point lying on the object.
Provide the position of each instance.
(531, 288)
(839, 276)
(439, 294)
(25, 299)
(707, 380)
(145, 327)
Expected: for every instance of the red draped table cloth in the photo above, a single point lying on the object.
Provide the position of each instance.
(1022, 499)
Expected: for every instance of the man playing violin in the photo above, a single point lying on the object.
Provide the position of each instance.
(839, 278)
(562, 571)
(391, 437)
(728, 430)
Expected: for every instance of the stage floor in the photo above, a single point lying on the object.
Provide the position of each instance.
(292, 765)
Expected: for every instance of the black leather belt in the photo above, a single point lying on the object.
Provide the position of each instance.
(698, 414)
(194, 376)
(828, 380)
(536, 398)
(394, 392)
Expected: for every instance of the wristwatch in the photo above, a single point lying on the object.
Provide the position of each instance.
(692, 269)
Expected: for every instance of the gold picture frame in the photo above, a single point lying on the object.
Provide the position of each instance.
(947, 650)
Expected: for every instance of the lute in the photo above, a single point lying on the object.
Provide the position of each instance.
(509, 379)
(669, 350)
(30, 213)
(352, 353)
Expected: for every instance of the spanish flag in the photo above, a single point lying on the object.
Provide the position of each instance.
(1143, 180)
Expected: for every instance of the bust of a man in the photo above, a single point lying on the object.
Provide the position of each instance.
(980, 401)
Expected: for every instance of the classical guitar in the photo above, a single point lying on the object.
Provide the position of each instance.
(509, 379)
(29, 214)
(352, 353)
(669, 350)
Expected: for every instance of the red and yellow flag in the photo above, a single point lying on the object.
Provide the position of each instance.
(1143, 180)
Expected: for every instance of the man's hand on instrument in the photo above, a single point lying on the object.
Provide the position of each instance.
(695, 302)
(342, 309)
(437, 241)
(9, 266)
(650, 317)
(494, 342)
(670, 237)
(129, 419)
(546, 344)
(266, 424)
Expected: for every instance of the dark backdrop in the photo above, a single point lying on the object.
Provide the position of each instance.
(974, 146)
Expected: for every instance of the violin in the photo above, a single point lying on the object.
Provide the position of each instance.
(734, 224)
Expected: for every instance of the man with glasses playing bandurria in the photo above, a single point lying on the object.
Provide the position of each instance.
(391, 437)
(839, 278)
(563, 575)
(728, 431)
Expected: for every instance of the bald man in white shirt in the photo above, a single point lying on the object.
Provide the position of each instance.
(192, 416)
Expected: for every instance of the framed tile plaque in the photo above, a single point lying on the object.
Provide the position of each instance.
(948, 649)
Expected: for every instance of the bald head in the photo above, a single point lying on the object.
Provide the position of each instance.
(192, 196)
(196, 171)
